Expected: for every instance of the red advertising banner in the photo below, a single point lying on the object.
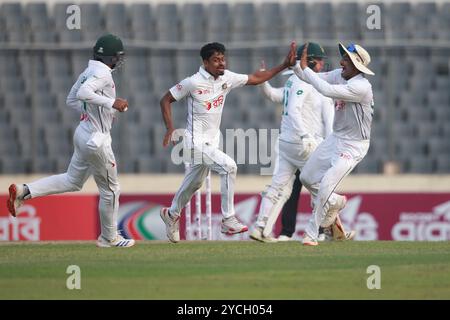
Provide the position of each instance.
(61, 217)
(374, 216)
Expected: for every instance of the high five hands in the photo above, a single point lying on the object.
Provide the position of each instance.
(292, 55)
(304, 57)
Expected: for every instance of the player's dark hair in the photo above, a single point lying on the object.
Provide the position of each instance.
(209, 49)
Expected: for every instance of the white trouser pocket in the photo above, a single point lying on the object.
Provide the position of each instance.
(97, 140)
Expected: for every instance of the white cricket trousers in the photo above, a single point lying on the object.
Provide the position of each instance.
(291, 156)
(101, 164)
(332, 161)
(203, 160)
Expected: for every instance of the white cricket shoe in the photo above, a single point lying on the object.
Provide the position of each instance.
(172, 225)
(15, 198)
(333, 211)
(284, 238)
(350, 235)
(118, 241)
(232, 225)
(322, 237)
(309, 241)
(258, 235)
(327, 235)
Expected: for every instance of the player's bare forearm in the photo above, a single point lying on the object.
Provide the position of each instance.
(261, 76)
(166, 111)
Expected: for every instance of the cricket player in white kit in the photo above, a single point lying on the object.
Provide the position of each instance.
(94, 95)
(337, 155)
(205, 94)
(306, 120)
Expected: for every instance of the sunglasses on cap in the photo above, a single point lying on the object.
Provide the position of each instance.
(352, 48)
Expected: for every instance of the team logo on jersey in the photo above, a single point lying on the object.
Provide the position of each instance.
(224, 86)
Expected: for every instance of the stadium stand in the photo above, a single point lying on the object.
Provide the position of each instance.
(40, 59)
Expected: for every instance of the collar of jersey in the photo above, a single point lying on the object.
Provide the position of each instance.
(357, 77)
(100, 65)
(206, 74)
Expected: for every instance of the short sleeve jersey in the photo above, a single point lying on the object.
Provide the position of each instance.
(205, 99)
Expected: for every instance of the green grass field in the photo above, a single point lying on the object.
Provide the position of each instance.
(226, 270)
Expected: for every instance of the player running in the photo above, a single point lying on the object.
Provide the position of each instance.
(205, 94)
(94, 95)
(338, 154)
(307, 118)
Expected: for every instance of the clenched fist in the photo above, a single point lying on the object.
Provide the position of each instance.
(120, 104)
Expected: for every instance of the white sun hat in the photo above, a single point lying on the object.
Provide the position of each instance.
(358, 55)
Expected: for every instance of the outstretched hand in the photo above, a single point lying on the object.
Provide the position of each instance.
(304, 57)
(292, 55)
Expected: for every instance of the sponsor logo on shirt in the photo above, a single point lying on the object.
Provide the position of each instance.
(202, 91)
(224, 86)
(215, 103)
(179, 87)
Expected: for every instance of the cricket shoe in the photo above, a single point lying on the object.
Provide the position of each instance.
(232, 225)
(333, 211)
(15, 198)
(326, 235)
(172, 225)
(309, 241)
(284, 238)
(350, 235)
(118, 241)
(258, 235)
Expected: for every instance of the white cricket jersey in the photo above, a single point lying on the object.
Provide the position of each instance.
(305, 111)
(353, 100)
(94, 94)
(205, 97)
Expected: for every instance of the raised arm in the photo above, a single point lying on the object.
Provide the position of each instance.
(259, 77)
(332, 77)
(345, 91)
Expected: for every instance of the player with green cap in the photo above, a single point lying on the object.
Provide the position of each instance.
(307, 119)
(94, 96)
